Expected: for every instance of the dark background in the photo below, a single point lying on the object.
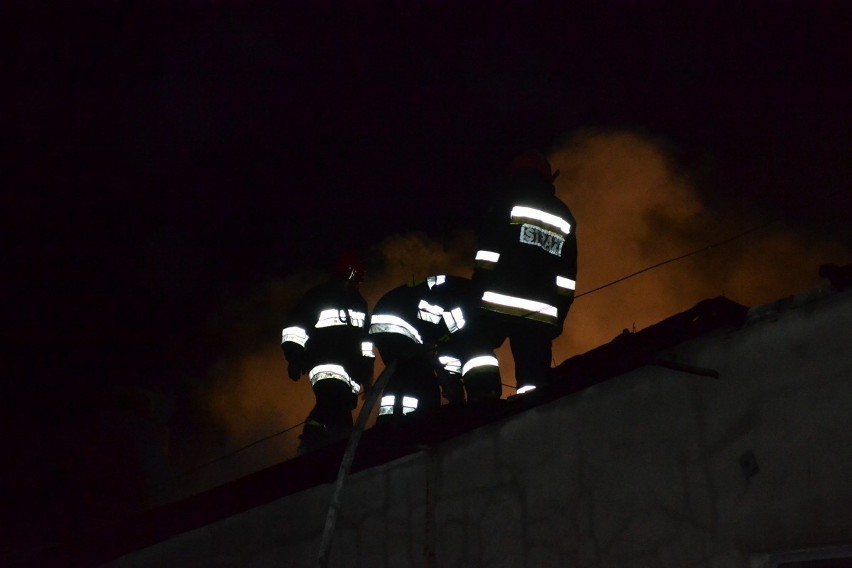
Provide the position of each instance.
(160, 157)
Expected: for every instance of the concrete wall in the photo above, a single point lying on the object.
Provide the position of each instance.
(653, 468)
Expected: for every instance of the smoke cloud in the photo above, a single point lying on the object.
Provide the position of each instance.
(408, 258)
(634, 208)
(246, 396)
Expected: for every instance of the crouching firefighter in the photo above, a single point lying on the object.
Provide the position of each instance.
(427, 327)
(326, 337)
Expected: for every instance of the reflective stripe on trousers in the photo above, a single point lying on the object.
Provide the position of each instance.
(479, 363)
(389, 401)
(330, 371)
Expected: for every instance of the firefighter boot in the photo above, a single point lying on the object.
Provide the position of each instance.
(314, 436)
(483, 385)
(453, 392)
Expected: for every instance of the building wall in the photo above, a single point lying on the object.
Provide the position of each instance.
(653, 468)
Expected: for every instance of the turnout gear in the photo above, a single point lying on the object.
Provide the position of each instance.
(439, 311)
(526, 267)
(326, 337)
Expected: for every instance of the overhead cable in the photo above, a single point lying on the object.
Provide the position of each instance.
(681, 257)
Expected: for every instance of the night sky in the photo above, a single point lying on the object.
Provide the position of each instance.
(175, 173)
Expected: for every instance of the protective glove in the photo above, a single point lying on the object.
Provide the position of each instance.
(294, 370)
(295, 356)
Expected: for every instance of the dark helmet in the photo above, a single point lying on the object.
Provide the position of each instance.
(532, 162)
(350, 266)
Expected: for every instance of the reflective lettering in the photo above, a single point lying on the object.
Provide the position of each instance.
(542, 238)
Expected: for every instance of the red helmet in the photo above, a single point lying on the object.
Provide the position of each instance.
(350, 266)
(532, 161)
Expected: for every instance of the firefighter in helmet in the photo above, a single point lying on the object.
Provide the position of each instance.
(427, 327)
(326, 337)
(526, 267)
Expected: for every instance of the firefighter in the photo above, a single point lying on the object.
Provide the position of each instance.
(427, 327)
(326, 337)
(467, 361)
(526, 267)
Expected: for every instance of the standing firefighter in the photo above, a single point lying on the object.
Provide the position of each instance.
(427, 327)
(526, 267)
(326, 337)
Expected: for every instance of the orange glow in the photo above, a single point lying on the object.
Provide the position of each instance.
(633, 210)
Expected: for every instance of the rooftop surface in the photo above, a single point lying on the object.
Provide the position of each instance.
(379, 446)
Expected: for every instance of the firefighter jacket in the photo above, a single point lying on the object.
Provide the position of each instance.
(526, 265)
(326, 334)
(440, 310)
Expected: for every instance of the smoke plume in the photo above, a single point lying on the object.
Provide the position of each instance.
(634, 209)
